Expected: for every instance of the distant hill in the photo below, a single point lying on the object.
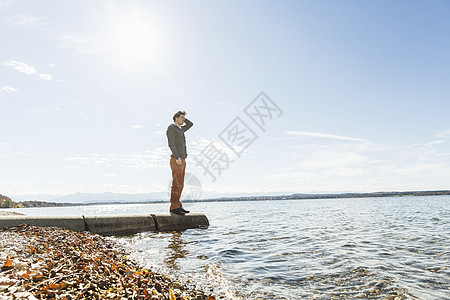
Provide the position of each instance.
(44, 204)
(6, 202)
(112, 198)
(334, 196)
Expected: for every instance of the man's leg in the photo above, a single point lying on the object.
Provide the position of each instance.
(184, 172)
(177, 183)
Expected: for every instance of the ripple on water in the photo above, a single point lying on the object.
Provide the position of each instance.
(359, 282)
(387, 248)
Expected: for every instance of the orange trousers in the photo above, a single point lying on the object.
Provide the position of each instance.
(177, 182)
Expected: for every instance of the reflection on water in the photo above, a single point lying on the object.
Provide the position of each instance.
(176, 250)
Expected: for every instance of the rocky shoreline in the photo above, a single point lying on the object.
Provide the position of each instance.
(10, 213)
(54, 263)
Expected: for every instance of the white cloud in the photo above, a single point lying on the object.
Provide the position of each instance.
(290, 175)
(346, 172)
(24, 21)
(25, 68)
(331, 158)
(82, 44)
(111, 175)
(20, 66)
(137, 126)
(324, 135)
(198, 146)
(443, 134)
(350, 165)
(156, 158)
(5, 145)
(5, 3)
(45, 76)
(320, 162)
(9, 89)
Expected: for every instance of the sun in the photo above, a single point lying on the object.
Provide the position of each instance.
(134, 39)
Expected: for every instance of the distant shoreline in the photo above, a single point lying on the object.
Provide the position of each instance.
(27, 204)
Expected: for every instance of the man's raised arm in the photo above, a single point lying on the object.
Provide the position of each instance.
(188, 124)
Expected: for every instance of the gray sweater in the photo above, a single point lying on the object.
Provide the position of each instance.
(177, 140)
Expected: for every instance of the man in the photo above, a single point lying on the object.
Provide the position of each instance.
(177, 144)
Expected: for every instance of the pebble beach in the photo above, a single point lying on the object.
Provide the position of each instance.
(54, 263)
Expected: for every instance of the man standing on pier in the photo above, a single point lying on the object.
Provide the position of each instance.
(177, 144)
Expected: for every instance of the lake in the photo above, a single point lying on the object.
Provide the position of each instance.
(300, 249)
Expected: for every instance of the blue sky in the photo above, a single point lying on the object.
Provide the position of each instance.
(88, 88)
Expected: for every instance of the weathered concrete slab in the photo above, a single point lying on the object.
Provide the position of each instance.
(68, 222)
(119, 225)
(112, 224)
(175, 222)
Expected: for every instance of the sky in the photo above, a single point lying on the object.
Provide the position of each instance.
(285, 96)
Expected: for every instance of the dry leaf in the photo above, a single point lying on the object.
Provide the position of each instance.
(83, 266)
(8, 265)
(172, 295)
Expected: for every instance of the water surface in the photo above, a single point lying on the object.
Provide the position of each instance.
(302, 249)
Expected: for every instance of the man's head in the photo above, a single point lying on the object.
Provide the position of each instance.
(179, 117)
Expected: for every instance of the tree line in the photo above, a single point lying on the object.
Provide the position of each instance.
(6, 202)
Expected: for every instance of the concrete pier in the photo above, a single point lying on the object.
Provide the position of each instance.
(178, 223)
(119, 225)
(112, 224)
(68, 222)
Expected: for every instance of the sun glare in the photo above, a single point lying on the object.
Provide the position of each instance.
(134, 40)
